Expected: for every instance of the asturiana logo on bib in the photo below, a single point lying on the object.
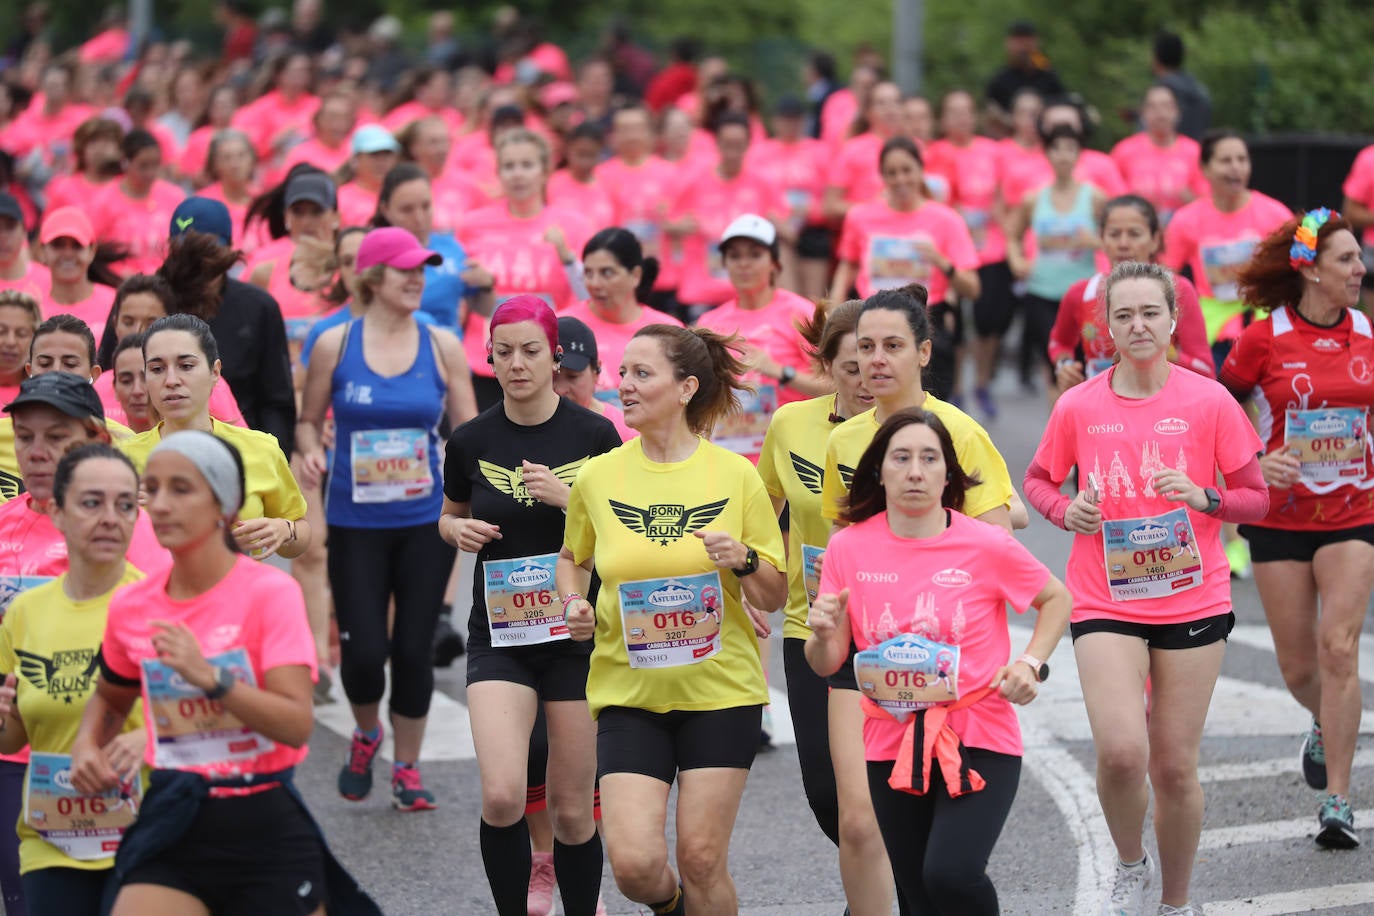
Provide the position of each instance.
(63, 779)
(1171, 426)
(906, 655)
(528, 576)
(1328, 425)
(672, 594)
(1148, 535)
(951, 578)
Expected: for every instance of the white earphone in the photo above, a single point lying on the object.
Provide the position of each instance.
(1172, 326)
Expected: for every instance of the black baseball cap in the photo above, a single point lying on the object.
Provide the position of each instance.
(9, 206)
(66, 391)
(578, 343)
(789, 106)
(316, 188)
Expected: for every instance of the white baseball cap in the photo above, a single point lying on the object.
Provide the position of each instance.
(750, 226)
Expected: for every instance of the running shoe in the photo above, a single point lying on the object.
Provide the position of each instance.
(1129, 888)
(448, 642)
(985, 403)
(1313, 757)
(1238, 555)
(323, 687)
(408, 792)
(1338, 824)
(542, 884)
(766, 730)
(1188, 909)
(355, 779)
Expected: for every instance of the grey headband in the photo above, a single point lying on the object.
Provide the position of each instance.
(212, 458)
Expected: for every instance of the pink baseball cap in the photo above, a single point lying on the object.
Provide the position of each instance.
(555, 94)
(394, 247)
(67, 222)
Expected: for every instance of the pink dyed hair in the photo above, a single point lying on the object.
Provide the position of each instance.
(527, 308)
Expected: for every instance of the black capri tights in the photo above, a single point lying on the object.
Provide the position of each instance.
(367, 568)
(939, 846)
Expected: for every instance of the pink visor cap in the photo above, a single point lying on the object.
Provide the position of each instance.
(394, 247)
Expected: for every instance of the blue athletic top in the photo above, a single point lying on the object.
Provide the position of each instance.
(1060, 262)
(444, 286)
(385, 467)
(340, 315)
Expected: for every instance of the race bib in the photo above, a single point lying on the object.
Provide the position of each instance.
(189, 728)
(1222, 262)
(977, 222)
(895, 261)
(1151, 557)
(1330, 442)
(672, 622)
(811, 571)
(522, 602)
(12, 587)
(85, 827)
(907, 673)
(742, 432)
(391, 465)
(1100, 365)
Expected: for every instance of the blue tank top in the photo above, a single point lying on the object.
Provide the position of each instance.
(385, 467)
(1061, 261)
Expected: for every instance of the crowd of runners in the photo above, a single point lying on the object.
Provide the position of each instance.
(656, 362)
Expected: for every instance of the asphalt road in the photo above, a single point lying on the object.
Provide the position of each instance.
(1257, 852)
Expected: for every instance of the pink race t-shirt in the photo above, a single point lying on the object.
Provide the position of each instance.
(611, 337)
(325, 158)
(715, 202)
(515, 253)
(94, 310)
(1359, 185)
(357, 204)
(255, 608)
(1163, 175)
(973, 173)
(617, 417)
(454, 195)
(473, 155)
(1097, 169)
(855, 170)
(799, 169)
(403, 114)
(196, 152)
(882, 242)
(1217, 245)
(1021, 170)
(238, 213)
(640, 195)
(953, 588)
(1192, 425)
(272, 118)
(139, 226)
(837, 117)
(35, 282)
(73, 191)
(592, 200)
(772, 329)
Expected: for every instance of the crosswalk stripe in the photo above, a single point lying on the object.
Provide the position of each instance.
(1258, 769)
(1303, 901)
(1263, 832)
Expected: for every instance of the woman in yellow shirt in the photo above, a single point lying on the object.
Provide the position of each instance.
(181, 363)
(678, 530)
(48, 645)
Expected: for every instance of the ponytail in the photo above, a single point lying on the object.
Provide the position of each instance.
(713, 360)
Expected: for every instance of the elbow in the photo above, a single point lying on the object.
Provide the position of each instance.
(297, 732)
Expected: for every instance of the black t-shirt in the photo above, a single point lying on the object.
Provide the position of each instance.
(482, 467)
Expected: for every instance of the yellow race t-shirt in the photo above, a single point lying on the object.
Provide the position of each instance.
(49, 642)
(977, 455)
(637, 519)
(791, 464)
(11, 482)
(271, 491)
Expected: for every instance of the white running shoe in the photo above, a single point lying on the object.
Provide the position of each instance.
(542, 884)
(1188, 909)
(1129, 888)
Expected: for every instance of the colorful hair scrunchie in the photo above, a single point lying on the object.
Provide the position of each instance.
(1303, 252)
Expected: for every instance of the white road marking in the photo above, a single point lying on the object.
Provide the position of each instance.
(1264, 832)
(1303, 901)
(1259, 769)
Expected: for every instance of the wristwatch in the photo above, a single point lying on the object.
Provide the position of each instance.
(224, 681)
(1038, 668)
(948, 270)
(788, 373)
(751, 563)
(1213, 499)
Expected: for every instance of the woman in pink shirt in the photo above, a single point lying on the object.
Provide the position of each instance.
(426, 96)
(641, 186)
(577, 185)
(230, 164)
(328, 147)
(18, 270)
(426, 142)
(617, 276)
(95, 148)
(576, 376)
(226, 636)
(798, 165)
(375, 151)
(135, 211)
(936, 667)
(219, 112)
(1159, 163)
(1022, 166)
(904, 237)
(20, 317)
(1147, 609)
(852, 179)
(1215, 235)
(69, 247)
(280, 118)
(769, 321)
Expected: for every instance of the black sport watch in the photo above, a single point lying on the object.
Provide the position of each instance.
(1213, 499)
(224, 682)
(751, 563)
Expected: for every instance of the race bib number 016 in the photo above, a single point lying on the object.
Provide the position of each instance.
(522, 601)
(671, 622)
(189, 728)
(85, 827)
(1330, 443)
(907, 673)
(1151, 557)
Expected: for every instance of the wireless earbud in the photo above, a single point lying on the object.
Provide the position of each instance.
(490, 360)
(1172, 326)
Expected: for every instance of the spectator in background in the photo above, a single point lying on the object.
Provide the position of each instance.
(308, 29)
(1027, 67)
(442, 49)
(678, 78)
(389, 62)
(32, 26)
(1194, 101)
(634, 66)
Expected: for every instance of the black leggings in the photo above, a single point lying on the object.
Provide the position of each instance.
(69, 891)
(367, 567)
(808, 696)
(939, 377)
(11, 805)
(939, 846)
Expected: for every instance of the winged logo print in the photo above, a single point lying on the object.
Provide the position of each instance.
(808, 473)
(847, 476)
(665, 523)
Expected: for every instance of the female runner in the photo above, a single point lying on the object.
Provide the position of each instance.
(1144, 609)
